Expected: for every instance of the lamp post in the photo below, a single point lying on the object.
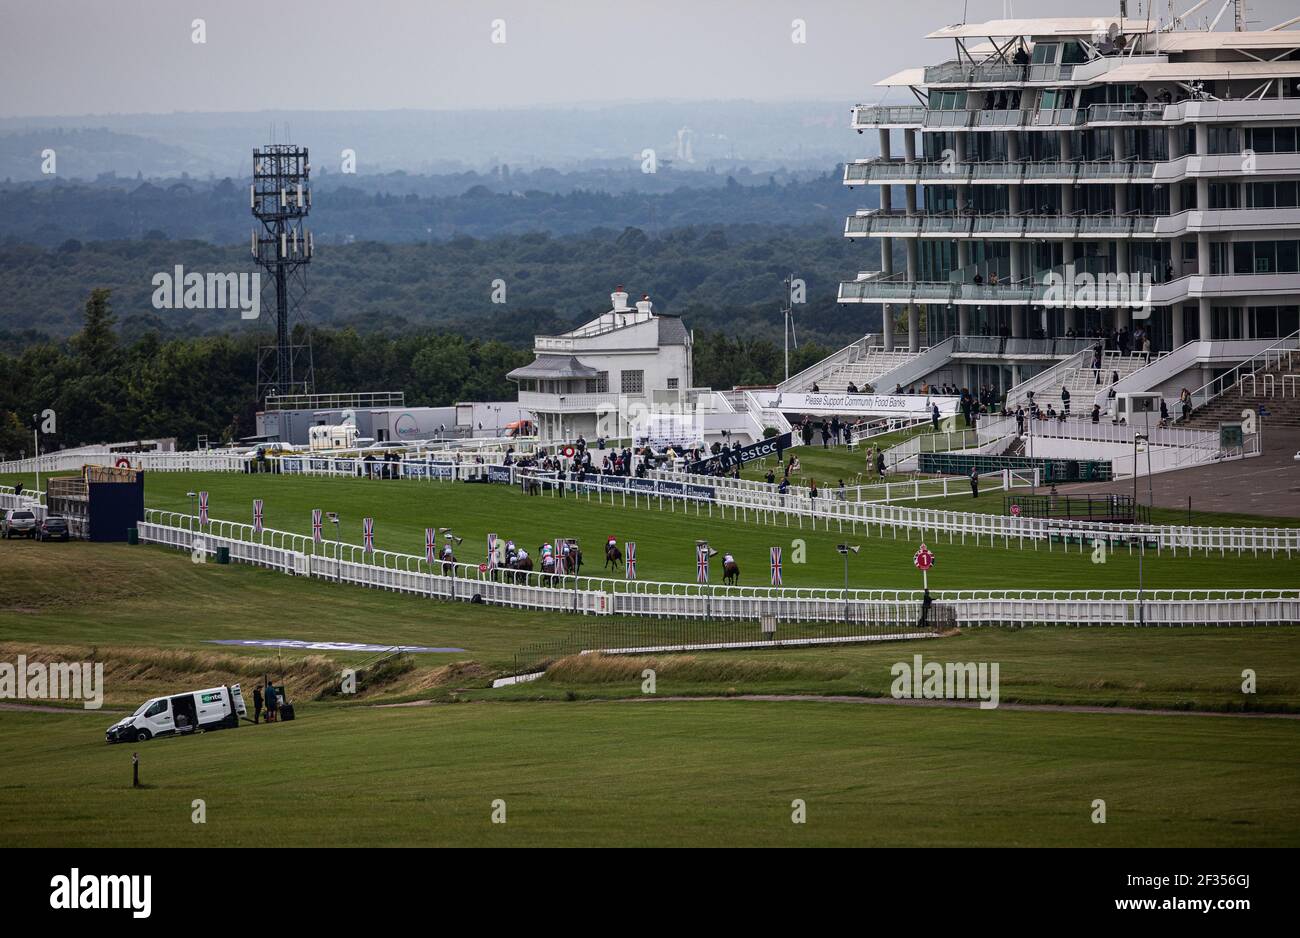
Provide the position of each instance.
(36, 439)
(845, 550)
(338, 544)
(1142, 538)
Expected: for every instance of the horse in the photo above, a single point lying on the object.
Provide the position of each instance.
(521, 567)
(448, 564)
(731, 573)
(613, 556)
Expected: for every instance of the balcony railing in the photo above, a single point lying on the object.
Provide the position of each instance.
(1125, 113)
(1065, 226)
(875, 115)
(960, 73)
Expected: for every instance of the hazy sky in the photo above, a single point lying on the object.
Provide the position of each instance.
(72, 57)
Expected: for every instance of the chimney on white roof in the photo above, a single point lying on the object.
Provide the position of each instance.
(619, 299)
(643, 305)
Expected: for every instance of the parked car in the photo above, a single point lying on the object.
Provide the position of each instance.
(19, 522)
(53, 529)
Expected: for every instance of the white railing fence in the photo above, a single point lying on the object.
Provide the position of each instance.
(346, 563)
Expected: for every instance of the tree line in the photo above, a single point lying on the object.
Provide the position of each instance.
(104, 388)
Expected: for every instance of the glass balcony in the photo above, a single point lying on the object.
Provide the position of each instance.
(879, 115)
(1113, 170)
(1058, 117)
(947, 118)
(884, 224)
(1126, 113)
(880, 171)
(893, 290)
(1002, 73)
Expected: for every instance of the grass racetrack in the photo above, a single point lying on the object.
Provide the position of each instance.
(582, 757)
(666, 774)
(666, 538)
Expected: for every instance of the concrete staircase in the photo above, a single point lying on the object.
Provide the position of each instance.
(1227, 407)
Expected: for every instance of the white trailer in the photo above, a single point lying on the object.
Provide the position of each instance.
(213, 708)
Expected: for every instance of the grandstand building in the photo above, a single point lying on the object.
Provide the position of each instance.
(1056, 180)
(588, 380)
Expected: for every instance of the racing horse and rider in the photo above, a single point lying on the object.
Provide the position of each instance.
(613, 556)
(730, 570)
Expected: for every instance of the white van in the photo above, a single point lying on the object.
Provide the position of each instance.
(212, 709)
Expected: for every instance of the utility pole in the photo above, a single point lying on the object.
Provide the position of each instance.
(787, 312)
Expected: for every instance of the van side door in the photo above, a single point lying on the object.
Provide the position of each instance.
(158, 718)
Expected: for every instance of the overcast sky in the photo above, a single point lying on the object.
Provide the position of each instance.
(74, 57)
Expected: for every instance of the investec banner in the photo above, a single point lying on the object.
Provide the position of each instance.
(730, 458)
(882, 405)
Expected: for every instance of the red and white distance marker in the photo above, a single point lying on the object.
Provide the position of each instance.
(923, 560)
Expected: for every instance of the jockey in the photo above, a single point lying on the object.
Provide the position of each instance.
(522, 554)
(446, 552)
(727, 558)
(611, 541)
(510, 550)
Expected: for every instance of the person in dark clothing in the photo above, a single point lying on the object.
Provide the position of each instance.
(826, 436)
(1065, 401)
(934, 416)
(271, 707)
(257, 705)
(880, 463)
(926, 602)
(770, 478)
(848, 434)
(974, 483)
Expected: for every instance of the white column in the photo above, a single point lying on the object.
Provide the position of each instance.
(887, 327)
(913, 328)
(963, 320)
(1205, 320)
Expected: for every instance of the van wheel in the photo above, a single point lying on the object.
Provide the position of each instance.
(142, 736)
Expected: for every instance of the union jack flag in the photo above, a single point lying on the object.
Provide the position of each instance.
(430, 543)
(776, 566)
(316, 525)
(630, 560)
(368, 532)
(203, 508)
(701, 565)
(257, 515)
(492, 551)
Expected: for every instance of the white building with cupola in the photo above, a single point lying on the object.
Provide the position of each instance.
(593, 380)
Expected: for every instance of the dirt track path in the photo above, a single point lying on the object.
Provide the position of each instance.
(970, 705)
(42, 708)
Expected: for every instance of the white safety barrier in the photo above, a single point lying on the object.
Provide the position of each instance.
(410, 573)
(957, 526)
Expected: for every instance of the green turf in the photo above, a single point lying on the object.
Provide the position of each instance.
(118, 596)
(666, 538)
(830, 464)
(665, 774)
(993, 503)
